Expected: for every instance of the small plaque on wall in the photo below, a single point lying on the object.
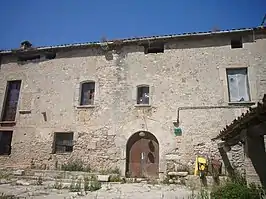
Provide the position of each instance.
(177, 131)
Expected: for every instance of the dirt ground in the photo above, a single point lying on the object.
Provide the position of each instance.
(108, 191)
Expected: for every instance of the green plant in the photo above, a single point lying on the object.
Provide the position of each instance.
(166, 180)
(94, 184)
(58, 184)
(3, 196)
(231, 190)
(238, 178)
(123, 180)
(75, 187)
(75, 165)
(115, 178)
(203, 194)
(116, 170)
(5, 175)
(236, 187)
(86, 183)
(110, 171)
(257, 190)
(39, 181)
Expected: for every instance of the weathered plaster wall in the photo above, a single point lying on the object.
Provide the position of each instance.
(187, 74)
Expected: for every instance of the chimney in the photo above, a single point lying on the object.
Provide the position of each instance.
(25, 45)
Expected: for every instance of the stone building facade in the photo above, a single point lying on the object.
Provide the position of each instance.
(187, 77)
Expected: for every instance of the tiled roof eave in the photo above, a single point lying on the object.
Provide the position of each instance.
(135, 39)
(242, 122)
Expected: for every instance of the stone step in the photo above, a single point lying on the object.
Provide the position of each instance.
(44, 179)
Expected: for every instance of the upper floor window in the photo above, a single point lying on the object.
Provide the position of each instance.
(238, 85)
(63, 142)
(236, 43)
(87, 93)
(143, 95)
(11, 100)
(154, 48)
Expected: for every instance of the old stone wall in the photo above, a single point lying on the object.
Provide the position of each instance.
(188, 74)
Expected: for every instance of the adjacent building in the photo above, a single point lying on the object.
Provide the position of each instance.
(135, 104)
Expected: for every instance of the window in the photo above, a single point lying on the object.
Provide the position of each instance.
(11, 100)
(143, 95)
(238, 86)
(50, 55)
(87, 93)
(29, 58)
(63, 142)
(236, 43)
(5, 142)
(154, 48)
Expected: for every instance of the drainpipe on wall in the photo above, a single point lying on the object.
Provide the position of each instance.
(177, 122)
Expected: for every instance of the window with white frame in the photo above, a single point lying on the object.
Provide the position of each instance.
(238, 86)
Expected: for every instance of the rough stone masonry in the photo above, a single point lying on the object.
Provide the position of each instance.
(187, 82)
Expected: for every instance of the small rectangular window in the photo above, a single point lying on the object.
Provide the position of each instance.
(63, 142)
(236, 43)
(238, 85)
(50, 55)
(5, 142)
(154, 48)
(28, 58)
(87, 93)
(143, 95)
(11, 100)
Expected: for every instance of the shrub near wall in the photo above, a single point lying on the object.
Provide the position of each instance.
(237, 188)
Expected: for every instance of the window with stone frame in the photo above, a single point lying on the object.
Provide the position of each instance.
(5, 142)
(11, 100)
(143, 94)
(238, 86)
(63, 142)
(87, 93)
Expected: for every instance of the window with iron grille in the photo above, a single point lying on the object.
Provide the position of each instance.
(63, 142)
(238, 86)
(87, 93)
(11, 100)
(143, 95)
(5, 142)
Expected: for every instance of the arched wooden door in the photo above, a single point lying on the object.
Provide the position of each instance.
(142, 155)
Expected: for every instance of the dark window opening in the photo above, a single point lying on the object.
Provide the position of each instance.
(236, 43)
(5, 142)
(143, 95)
(11, 100)
(87, 93)
(29, 58)
(63, 142)
(50, 56)
(154, 48)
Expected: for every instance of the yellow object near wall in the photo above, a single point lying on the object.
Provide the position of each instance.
(200, 160)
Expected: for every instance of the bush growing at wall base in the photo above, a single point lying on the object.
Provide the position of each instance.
(75, 165)
(237, 188)
(233, 190)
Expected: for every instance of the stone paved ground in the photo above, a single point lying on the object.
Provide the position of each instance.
(108, 191)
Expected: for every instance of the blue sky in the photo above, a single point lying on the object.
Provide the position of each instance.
(54, 22)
